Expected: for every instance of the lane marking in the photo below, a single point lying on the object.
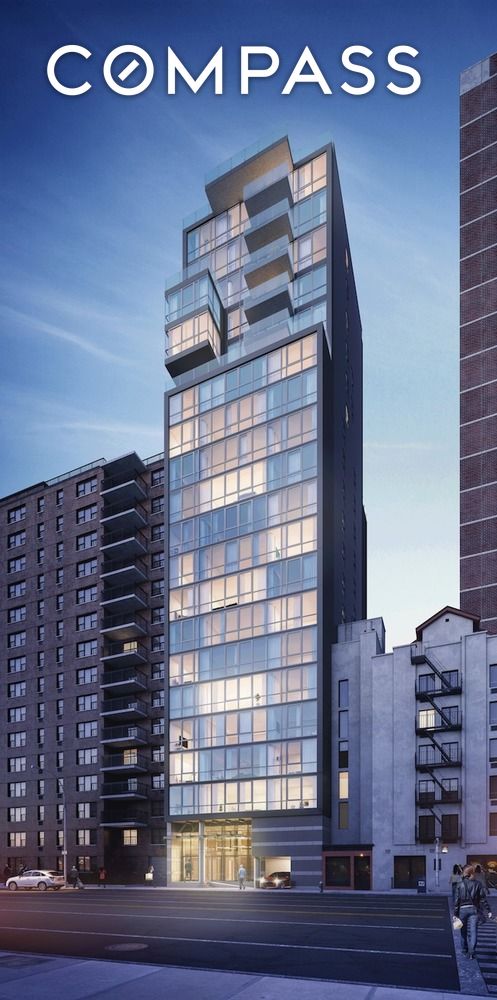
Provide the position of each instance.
(331, 910)
(243, 943)
(242, 920)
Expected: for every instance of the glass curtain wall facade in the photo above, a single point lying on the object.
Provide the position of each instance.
(249, 452)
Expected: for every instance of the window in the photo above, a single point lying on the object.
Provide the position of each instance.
(59, 707)
(41, 814)
(59, 629)
(40, 556)
(85, 622)
(40, 607)
(16, 790)
(16, 665)
(41, 737)
(88, 648)
(157, 588)
(40, 684)
(87, 783)
(16, 565)
(86, 568)
(88, 675)
(158, 671)
(158, 699)
(87, 756)
(343, 694)
(492, 711)
(40, 530)
(493, 749)
(157, 616)
(493, 675)
(157, 643)
(59, 498)
(41, 581)
(40, 506)
(85, 837)
(40, 659)
(157, 561)
(16, 514)
(87, 730)
(157, 477)
(59, 577)
(40, 710)
(59, 522)
(16, 539)
(41, 633)
(87, 541)
(59, 550)
(59, 734)
(130, 838)
(157, 505)
(492, 824)
(40, 761)
(85, 595)
(17, 589)
(16, 740)
(85, 810)
(426, 832)
(85, 514)
(17, 814)
(86, 703)
(16, 764)
(59, 602)
(86, 486)
(15, 615)
(41, 838)
(60, 682)
(17, 714)
(59, 654)
(17, 839)
(157, 532)
(16, 639)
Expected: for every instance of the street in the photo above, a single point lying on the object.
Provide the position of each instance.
(384, 940)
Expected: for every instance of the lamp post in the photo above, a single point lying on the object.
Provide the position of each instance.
(60, 785)
(437, 862)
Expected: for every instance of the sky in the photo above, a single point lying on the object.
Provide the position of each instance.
(93, 193)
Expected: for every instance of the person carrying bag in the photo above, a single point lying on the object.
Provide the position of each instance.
(470, 902)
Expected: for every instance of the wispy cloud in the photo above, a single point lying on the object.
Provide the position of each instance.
(34, 325)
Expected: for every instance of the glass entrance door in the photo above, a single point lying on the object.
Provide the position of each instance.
(228, 844)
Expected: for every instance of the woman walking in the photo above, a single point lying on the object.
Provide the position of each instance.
(470, 901)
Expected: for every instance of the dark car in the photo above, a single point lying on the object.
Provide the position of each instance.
(277, 880)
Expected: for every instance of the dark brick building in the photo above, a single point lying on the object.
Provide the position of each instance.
(82, 684)
(479, 342)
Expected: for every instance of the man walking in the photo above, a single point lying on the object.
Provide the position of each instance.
(242, 875)
(74, 876)
(470, 901)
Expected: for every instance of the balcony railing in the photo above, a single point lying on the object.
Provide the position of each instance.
(125, 735)
(116, 537)
(427, 761)
(131, 591)
(125, 789)
(124, 706)
(118, 621)
(425, 800)
(125, 762)
(132, 651)
(126, 676)
(125, 820)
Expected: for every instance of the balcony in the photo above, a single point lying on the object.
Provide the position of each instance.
(130, 789)
(192, 343)
(119, 546)
(126, 763)
(272, 224)
(126, 598)
(439, 720)
(124, 571)
(271, 187)
(425, 762)
(226, 184)
(121, 492)
(128, 678)
(425, 800)
(136, 818)
(271, 297)
(125, 519)
(268, 262)
(125, 653)
(125, 736)
(131, 708)
(124, 626)
(431, 686)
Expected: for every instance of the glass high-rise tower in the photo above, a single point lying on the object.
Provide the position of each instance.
(264, 519)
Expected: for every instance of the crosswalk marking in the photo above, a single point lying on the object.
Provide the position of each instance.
(486, 954)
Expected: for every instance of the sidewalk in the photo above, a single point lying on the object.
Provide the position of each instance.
(42, 977)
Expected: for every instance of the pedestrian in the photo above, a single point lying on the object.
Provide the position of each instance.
(454, 880)
(102, 876)
(7, 872)
(481, 877)
(242, 875)
(188, 870)
(74, 876)
(470, 902)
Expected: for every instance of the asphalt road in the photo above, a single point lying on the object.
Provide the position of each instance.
(383, 940)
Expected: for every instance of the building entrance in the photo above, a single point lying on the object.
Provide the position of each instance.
(228, 844)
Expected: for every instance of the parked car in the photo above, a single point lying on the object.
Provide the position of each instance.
(277, 880)
(36, 879)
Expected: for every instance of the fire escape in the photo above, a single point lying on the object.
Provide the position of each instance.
(440, 754)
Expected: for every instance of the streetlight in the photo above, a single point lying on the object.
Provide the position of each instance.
(60, 785)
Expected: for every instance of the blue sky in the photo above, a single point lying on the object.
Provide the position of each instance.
(94, 190)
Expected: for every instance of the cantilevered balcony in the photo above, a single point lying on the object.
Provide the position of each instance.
(125, 820)
(124, 599)
(127, 762)
(116, 491)
(272, 224)
(127, 679)
(271, 297)
(124, 653)
(226, 185)
(268, 262)
(125, 736)
(121, 572)
(125, 708)
(123, 519)
(270, 188)
(127, 625)
(130, 789)
(122, 546)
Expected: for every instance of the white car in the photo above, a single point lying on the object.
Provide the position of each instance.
(36, 879)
